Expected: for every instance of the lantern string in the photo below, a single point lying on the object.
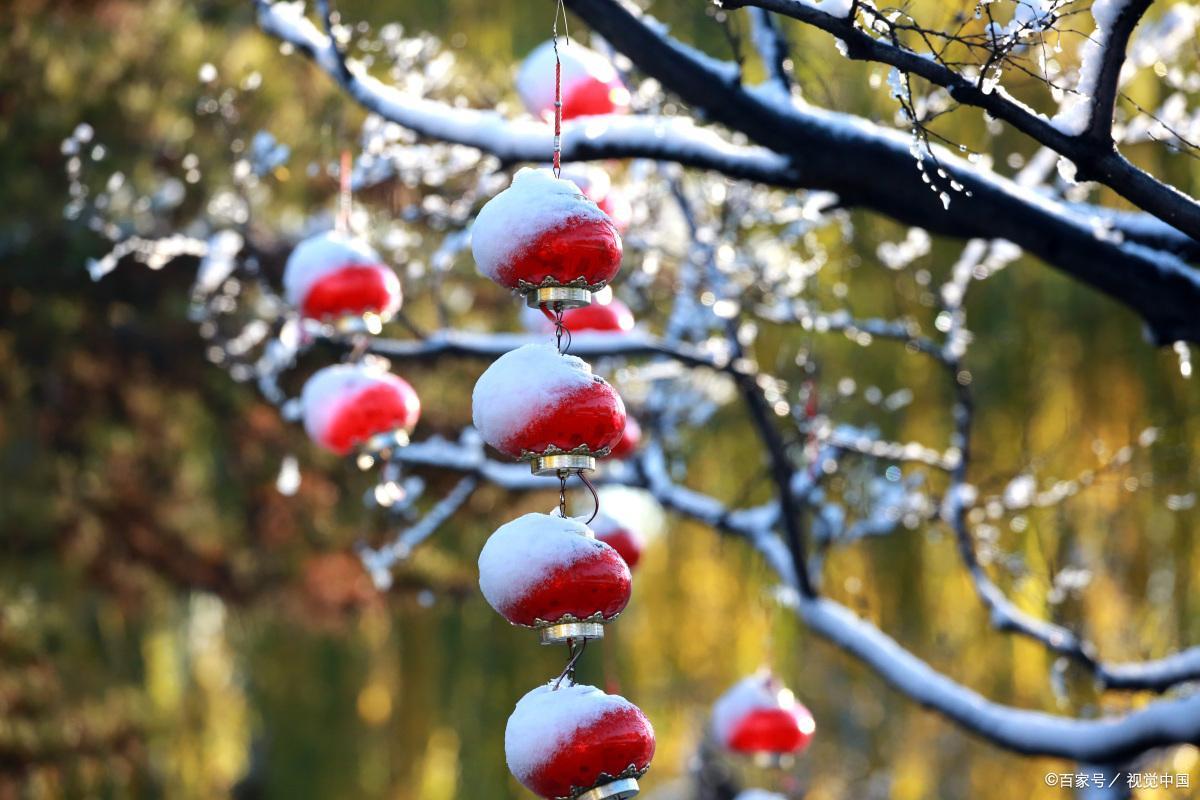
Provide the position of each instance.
(595, 495)
(559, 10)
(562, 494)
(344, 200)
(560, 330)
(568, 672)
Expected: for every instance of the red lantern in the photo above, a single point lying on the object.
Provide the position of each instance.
(597, 187)
(550, 573)
(543, 238)
(349, 406)
(578, 742)
(536, 404)
(336, 277)
(630, 439)
(626, 541)
(760, 717)
(590, 83)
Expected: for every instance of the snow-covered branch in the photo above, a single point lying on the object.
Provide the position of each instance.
(864, 164)
(1088, 145)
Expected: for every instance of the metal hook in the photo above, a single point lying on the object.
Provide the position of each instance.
(595, 496)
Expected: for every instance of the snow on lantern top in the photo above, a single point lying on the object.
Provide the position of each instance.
(349, 406)
(758, 716)
(333, 276)
(547, 572)
(590, 83)
(537, 404)
(542, 237)
(568, 741)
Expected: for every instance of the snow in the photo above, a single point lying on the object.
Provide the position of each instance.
(317, 256)
(545, 720)
(758, 691)
(519, 384)
(325, 391)
(836, 8)
(535, 203)
(522, 553)
(535, 78)
(758, 794)
(1075, 112)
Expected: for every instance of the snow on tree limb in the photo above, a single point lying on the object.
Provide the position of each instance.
(854, 154)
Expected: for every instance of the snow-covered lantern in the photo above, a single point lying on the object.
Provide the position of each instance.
(631, 437)
(361, 407)
(597, 187)
(578, 742)
(543, 238)
(590, 83)
(551, 574)
(339, 278)
(620, 537)
(541, 406)
(760, 717)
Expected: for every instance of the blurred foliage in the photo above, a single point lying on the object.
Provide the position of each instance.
(171, 626)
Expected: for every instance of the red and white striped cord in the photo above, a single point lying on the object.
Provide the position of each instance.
(558, 99)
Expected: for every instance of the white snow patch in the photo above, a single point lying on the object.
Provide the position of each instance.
(535, 203)
(1075, 112)
(545, 719)
(520, 385)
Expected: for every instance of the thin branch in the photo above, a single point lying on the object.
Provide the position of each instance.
(1092, 152)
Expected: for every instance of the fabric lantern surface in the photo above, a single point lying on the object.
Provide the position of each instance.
(333, 276)
(577, 741)
(541, 233)
(349, 406)
(590, 83)
(758, 716)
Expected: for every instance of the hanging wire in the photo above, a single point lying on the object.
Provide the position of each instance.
(595, 495)
(559, 10)
(568, 673)
(345, 206)
(562, 493)
(560, 328)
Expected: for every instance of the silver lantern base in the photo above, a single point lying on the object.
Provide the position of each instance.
(566, 631)
(558, 297)
(617, 790)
